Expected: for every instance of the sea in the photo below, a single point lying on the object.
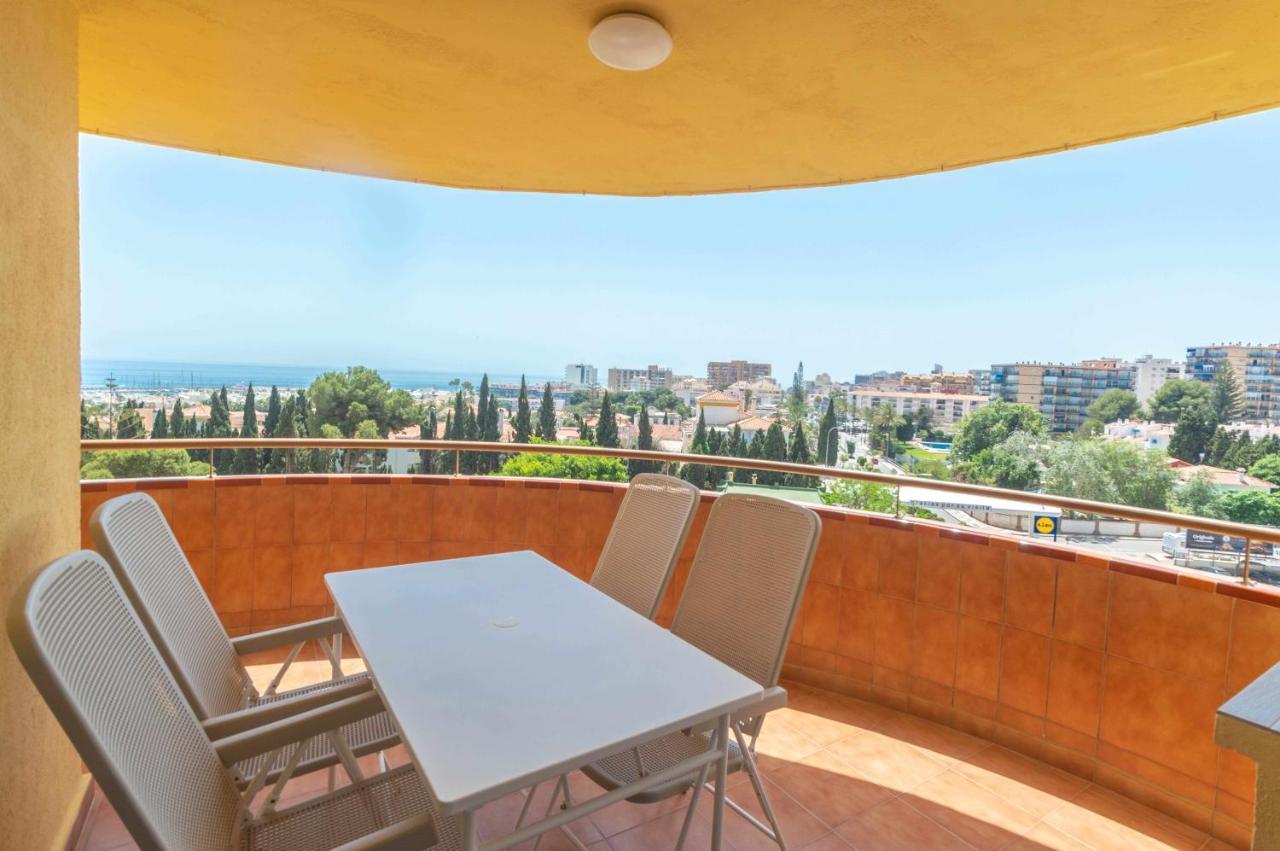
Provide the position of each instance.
(182, 375)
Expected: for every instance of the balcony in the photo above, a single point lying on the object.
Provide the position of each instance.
(944, 680)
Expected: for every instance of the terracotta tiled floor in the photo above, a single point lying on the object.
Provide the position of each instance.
(842, 774)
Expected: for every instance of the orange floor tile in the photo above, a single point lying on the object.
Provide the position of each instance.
(841, 774)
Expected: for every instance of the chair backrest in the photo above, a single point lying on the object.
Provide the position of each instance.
(131, 533)
(91, 659)
(654, 519)
(747, 579)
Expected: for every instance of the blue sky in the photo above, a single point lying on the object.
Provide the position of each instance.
(1148, 245)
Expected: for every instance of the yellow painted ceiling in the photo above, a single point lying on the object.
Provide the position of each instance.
(757, 94)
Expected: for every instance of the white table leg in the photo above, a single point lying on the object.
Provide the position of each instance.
(470, 842)
(722, 779)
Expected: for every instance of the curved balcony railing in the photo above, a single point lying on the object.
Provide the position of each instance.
(1247, 531)
(1107, 666)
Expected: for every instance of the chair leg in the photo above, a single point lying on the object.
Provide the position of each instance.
(568, 802)
(551, 805)
(693, 803)
(749, 762)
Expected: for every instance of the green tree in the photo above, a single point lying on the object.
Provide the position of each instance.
(1268, 467)
(607, 428)
(272, 419)
(585, 433)
(1225, 394)
(1198, 495)
(129, 426)
(140, 464)
(1174, 397)
(346, 399)
(991, 425)
(1193, 433)
(797, 405)
(1013, 464)
(246, 460)
(177, 421)
(426, 457)
(546, 466)
(828, 437)
(799, 454)
(774, 449)
(864, 496)
(1114, 405)
(697, 473)
(716, 445)
(1255, 507)
(524, 421)
(883, 421)
(89, 429)
(160, 428)
(644, 440)
(1108, 471)
(547, 416)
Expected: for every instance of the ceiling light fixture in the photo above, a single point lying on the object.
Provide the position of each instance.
(630, 42)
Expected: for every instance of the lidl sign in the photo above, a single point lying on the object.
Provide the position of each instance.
(1045, 524)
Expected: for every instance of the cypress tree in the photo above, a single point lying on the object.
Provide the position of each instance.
(774, 449)
(828, 437)
(160, 428)
(483, 459)
(524, 421)
(246, 460)
(129, 426)
(697, 473)
(547, 416)
(89, 429)
(607, 429)
(272, 419)
(799, 454)
(716, 445)
(644, 440)
(585, 434)
(427, 458)
(492, 460)
(177, 425)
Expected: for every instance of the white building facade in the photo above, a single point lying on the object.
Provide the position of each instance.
(1150, 374)
(945, 409)
(581, 375)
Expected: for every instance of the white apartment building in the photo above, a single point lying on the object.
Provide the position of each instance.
(580, 374)
(946, 409)
(1150, 374)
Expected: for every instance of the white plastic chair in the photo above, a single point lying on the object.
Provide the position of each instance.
(95, 665)
(131, 533)
(739, 605)
(645, 540)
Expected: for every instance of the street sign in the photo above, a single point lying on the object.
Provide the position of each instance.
(1045, 524)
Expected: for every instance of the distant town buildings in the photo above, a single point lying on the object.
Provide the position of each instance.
(1150, 374)
(650, 378)
(938, 382)
(1062, 392)
(580, 375)
(981, 381)
(1146, 435)
(945, 409)
(1257, 367)
(724, 373)
(719, 409)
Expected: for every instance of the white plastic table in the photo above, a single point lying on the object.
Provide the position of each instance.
(502, 671)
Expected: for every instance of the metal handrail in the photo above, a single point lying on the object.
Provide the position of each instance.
(1247, 531)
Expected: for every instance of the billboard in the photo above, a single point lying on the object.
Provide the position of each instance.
(1213, 542)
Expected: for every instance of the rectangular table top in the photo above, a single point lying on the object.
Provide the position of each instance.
(503, 670)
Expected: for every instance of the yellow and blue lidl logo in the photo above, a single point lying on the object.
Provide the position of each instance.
(1046, 524)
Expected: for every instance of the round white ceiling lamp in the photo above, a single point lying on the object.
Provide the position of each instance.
(630, 42)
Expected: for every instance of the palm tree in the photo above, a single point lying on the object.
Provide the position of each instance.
(883, 420)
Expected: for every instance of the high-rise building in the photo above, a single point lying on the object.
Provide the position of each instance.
(981, 381)
(649, 378)
(580, 374)
(722, 373)
(1062, 392)
(1256, 366)
(1150, 374)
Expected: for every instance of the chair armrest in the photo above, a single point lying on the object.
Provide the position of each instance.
(293, 634)
(296, 728)
(265, 713)
(411, 834)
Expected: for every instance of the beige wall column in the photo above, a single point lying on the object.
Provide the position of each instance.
(39, 384)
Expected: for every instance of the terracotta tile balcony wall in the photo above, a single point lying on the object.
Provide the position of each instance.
(1111, 670)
